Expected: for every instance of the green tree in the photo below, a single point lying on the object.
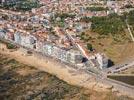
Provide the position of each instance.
(111, 24)
(89, 47)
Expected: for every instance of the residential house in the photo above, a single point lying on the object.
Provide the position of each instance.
(10, 35)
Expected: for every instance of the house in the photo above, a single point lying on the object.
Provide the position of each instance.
(112, 4)
(9, 35)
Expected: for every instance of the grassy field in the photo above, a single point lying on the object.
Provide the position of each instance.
(23, 82)
(118, 49)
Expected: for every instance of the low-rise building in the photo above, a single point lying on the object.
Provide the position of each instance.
(10, 35)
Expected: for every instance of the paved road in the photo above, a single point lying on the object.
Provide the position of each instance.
(76, 44)
(102, 77)
(118, 68)
(118, 86)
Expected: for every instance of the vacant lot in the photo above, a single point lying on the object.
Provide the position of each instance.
(19, 81)
(118, 49)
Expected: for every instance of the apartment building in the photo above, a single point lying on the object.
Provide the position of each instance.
(30, 41)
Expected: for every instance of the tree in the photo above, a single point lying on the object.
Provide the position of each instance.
(23, 5)
(89, 47)
(85, 19)
(96, 8)
(130, 18)
(111, 24)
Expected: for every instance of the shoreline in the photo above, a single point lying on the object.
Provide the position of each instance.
(63, 72)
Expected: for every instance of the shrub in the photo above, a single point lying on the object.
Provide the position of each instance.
(10, 46)
(89, 47)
